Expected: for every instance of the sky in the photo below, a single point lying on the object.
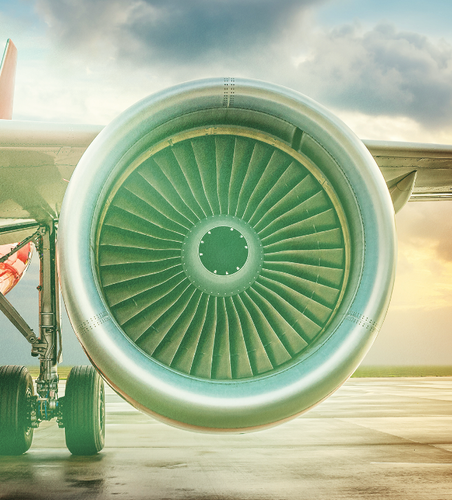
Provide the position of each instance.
(383, 66)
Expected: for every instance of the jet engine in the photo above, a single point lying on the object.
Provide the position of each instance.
(226, 254)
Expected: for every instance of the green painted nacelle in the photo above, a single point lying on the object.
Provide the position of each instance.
(228, 248)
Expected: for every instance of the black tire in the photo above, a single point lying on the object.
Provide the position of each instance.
(84, 411)
(16, 393)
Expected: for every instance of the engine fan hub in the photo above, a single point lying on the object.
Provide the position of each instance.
(222, 255)
(223, 250)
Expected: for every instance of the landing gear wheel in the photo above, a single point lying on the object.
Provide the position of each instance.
(16, 393)
(84, 411)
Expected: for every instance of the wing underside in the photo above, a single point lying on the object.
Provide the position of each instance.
(431, 162)
(37, 161)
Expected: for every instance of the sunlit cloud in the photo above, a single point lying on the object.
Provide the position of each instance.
(424, 281)
(393, 128)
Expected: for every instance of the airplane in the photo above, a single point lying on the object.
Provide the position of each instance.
(225, 249)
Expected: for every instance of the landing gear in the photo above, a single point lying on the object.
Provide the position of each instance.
(84, 411)
(16, 401)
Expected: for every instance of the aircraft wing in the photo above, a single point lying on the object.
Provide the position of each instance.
(37, 161)
(431, 162)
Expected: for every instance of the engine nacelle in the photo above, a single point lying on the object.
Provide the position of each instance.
(227, 254)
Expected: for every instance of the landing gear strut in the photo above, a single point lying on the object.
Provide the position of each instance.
(82, 410)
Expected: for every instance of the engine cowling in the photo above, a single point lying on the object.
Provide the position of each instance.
(227, 254)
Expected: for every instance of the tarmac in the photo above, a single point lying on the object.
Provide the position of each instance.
(373, 439)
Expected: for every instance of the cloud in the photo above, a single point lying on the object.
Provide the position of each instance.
(174, 31)
(409, 338)
(378, 72)
(424, 268)
(428, 225)
(381, 71)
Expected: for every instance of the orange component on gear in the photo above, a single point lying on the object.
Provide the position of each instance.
(12, 270)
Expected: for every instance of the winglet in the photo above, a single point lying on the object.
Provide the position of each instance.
(7, 78)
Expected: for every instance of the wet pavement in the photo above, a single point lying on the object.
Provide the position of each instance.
(373, 439)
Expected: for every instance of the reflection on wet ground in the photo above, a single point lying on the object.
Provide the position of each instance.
(374, 438)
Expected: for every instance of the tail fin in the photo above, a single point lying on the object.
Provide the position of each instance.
(7, 78)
